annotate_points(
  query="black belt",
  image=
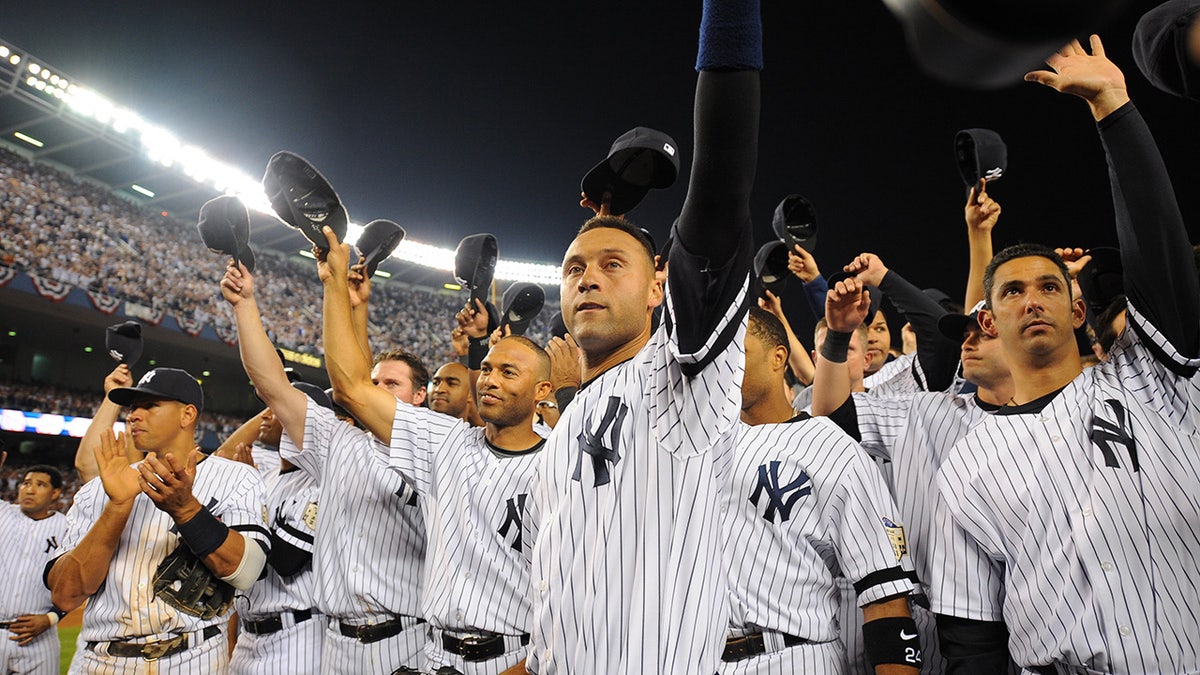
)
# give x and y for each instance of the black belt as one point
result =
(478, 647)
(152, 651)
(274, 623)
(375, 632)
(746, 646)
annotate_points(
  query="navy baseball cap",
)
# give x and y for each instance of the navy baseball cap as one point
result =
(954, 325)
(770, 266)
(1160, 48)
(980, 153)
(302, 197)
(379, 238)
(224, 226)
(795, 223)
(522, 302)
(475, 261)
(124, 342)
(640, 160)
(171, 384)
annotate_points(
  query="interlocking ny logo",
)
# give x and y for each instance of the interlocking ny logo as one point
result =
(780, 499)
(51, 544)
(592, 442)
(515, 507)
(1105, 434)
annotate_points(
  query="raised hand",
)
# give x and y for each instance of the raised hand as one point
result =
(459, 341)
(1091, 77)
(334, 261)
(867, 268)
(499, 334)
(360, 285)
(846, 305)
(473, 319)
(119, 377)
(566, 370)
(771, 304)
(802, 264)
(981, 211)
(601, 209)
(1075, 258)
(237, 284)
(168, 483)
(119, 478)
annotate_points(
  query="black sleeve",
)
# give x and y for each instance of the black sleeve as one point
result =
(937, 355)
(846, 417)
(974, 647)
(46, 571)
(713, 243)
(285, 558)
(1159, 269)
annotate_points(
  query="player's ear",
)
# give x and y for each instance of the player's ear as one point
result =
(987, 323)
(779, 357)
(188, 415)
(543, 391)
(419, 396)
(1078, 312)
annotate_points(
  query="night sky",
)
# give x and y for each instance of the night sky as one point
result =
(454, 118)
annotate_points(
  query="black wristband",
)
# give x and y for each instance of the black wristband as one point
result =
(892, 640)
(476, 351)
(836, 346)
(564, 396)
(203, 533)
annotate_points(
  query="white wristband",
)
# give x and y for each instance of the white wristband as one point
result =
(53, 618)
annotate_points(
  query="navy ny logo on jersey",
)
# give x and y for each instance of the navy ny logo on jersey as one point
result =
(411, 500)
(51, 544)
(1106, 434)
(780, 498)
(594, 443)
(512, 523)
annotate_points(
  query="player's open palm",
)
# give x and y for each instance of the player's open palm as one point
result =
(168, 483)
(1076, 72)
(119, 478)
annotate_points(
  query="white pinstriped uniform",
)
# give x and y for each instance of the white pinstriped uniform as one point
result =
(370, 543)
(28, 545)
(292, 506)
(627, 567)
(902, 375)
(473, 496)
(1096, 539)
(266, 458)
(125, 607)
(804, 504)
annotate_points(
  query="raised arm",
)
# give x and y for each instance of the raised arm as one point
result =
(846, 308)
(107, 415)
(258, 354)
(360, 292)
(982, 212)
(798, 359)
(1159, 270)
(713, 246)
(937, 356)
(348, 366)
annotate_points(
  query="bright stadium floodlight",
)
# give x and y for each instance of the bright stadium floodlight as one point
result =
(29, 139)
(4, 52)
(14, 59)
(34, 68)
(138, 188)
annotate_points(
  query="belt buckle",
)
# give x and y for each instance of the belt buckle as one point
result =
(153, 651)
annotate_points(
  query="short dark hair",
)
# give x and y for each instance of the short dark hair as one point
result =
(620, 223)
(420, 374)
(56, 479)
(1022, 251)
(767, 327)
(543, 359)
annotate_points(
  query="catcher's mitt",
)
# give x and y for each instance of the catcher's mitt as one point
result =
(183, 582)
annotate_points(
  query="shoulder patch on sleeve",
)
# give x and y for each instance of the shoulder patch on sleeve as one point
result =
(895, 534)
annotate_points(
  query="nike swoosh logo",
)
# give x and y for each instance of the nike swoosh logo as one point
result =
(906, 636)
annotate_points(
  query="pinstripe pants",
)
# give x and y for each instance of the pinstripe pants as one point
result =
(824, 658)
(295, 650)
(346, 656)
(212, 656)
(39, 657)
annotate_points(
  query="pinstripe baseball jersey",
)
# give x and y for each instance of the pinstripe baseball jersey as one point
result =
(1087, 499)
(265, 458)
(627, 567)
(896, 376)
(292, 500)
(125, 607)
(370, 543)
(805, 503)
(473, 495)
(28, 545)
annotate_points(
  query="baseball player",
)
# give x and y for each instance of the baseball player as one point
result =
(33, 535)
(450, 394)
(157, 549)
(909, 436)
(369, 541)
(1083, 490)
(805, 503)
(473, 483)
(627, 568)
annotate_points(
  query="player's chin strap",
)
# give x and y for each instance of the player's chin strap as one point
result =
(892, 640)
